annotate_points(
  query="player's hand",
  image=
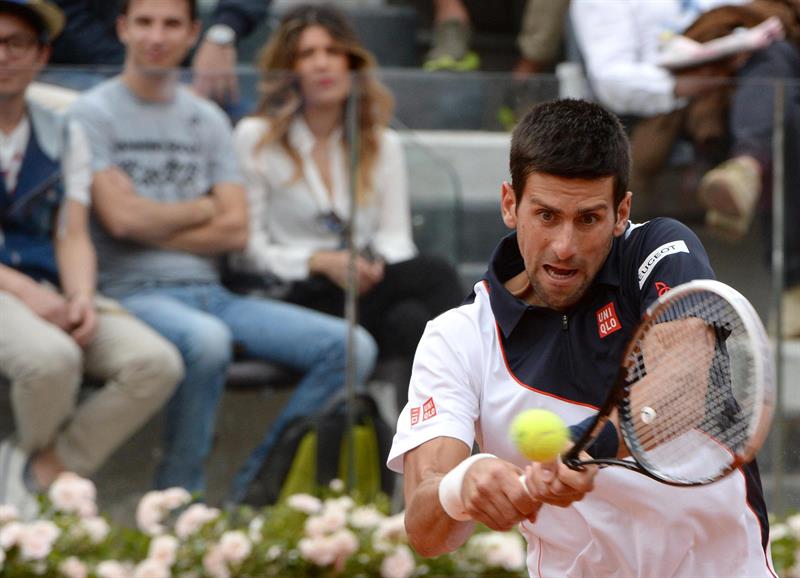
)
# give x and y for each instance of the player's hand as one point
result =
(214, 68)
(83, 319)
(492, 495)
(558, 485)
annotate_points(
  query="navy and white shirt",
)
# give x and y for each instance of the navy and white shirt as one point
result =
(481, 364)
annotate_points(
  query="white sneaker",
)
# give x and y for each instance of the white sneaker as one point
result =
(12, 481)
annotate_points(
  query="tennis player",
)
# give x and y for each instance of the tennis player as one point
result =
(546, 328)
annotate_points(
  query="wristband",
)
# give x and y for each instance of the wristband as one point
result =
(450, 488)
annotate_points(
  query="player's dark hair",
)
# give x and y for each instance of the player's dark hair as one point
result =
(126, 4)
(570, 139)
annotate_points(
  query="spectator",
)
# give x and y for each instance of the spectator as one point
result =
(620, 44)
(89, 39)
(294, 155)
(168, 202)
(49, 334)
(539, 38)
(619, 41)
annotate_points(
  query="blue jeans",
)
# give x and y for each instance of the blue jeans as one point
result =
(204, 321)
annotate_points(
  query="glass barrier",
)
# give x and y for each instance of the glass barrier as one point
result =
(454, 129)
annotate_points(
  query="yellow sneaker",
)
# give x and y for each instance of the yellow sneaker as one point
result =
(450, 48)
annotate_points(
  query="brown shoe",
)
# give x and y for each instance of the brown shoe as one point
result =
(730, 193)
(790, 322)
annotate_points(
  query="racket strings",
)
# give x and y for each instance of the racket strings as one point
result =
(691, 399)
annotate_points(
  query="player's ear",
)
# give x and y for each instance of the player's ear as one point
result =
(508, 205)
(623, 214)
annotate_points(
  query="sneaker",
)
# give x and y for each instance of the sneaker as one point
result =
(730, 193)
(450, 48)
(790, 322)
(13, 489)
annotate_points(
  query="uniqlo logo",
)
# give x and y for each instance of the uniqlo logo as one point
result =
(607, 321)
(414, 416)
(428, 409)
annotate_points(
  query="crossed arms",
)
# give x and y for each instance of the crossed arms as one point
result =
(210, 225)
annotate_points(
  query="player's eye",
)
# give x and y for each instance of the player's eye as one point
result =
(546, 216)
(589, 219)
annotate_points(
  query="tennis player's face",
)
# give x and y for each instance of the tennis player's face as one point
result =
(564, 229)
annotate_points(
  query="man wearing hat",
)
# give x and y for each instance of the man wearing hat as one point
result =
(53, 327)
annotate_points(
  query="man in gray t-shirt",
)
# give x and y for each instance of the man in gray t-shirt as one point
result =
(167, 201)
(173, 152)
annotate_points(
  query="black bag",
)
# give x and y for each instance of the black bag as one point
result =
(312, 451)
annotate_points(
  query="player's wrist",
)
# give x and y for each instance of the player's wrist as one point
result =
(450, 488)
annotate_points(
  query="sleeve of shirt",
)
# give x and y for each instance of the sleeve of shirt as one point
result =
(393, 239)
(443, 397)
(98, 130)
(77, 165)
(223, 164)
(607, 36)
(669, 254)
(241, 15)
(263, 255)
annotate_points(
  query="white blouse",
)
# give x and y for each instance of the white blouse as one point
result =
(287, 216)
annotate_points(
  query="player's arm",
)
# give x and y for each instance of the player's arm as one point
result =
(490, 492)
(226, 232)
(126, 215)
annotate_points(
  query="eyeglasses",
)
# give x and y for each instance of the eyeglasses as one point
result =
(18, 45)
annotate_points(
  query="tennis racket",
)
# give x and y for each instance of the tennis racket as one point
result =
(695, 394)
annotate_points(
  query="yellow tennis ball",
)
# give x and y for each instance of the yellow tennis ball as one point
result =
(539, 435)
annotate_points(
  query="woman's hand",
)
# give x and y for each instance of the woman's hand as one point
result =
(334, 266)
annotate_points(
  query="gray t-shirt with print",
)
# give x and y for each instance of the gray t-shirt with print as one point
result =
(173, 151)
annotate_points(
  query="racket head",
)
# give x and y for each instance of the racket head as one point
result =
(699, 394)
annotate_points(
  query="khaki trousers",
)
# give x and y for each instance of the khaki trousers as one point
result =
(139, 368)
(542, 33)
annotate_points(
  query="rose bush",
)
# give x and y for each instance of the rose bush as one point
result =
(329, 535)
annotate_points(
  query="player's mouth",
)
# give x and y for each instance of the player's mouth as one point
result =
(560, 274)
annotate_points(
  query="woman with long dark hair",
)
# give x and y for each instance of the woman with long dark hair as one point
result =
(295, 157)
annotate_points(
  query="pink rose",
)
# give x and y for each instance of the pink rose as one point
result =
(235, 546)
(214, 563)
(399, 564)
(150, 568)
(195, 517)
(73, 494)
(163, 549)
(111, 569)
(73, 568)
